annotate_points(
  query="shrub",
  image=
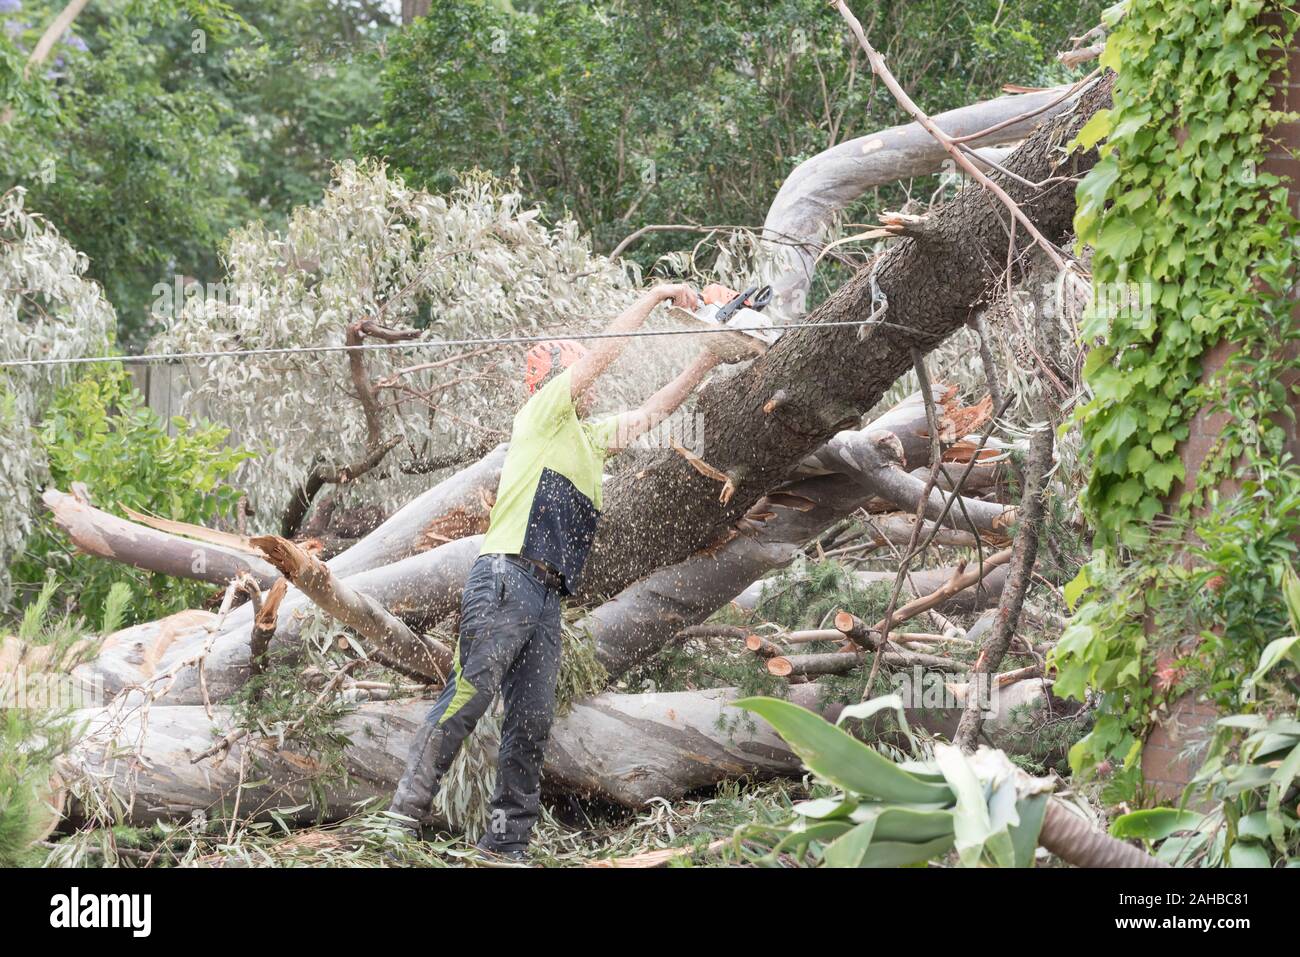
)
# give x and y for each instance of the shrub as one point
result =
(99, 432)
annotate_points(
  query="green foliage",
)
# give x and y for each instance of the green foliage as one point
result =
(806, 594)
(179, 122)
(1175, 272)
(581, 673)
(894, 814)
(34, 727)
(1248, 779)
(99, 432)
(625, 114)
(278, 704)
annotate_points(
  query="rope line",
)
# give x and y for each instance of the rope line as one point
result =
(408, 344)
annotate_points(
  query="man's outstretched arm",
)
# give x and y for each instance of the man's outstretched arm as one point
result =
(663, 403)
(590, 367)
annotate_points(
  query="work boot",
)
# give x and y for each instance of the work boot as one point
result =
(500, 855)
(414, 794)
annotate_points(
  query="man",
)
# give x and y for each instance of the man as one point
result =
(538, 537)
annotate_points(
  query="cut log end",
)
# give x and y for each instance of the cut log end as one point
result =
(763, 647)
(780, 666)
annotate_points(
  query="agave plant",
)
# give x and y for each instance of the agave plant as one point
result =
(1247, 780)
(888, 813)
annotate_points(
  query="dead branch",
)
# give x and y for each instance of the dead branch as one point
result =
(266, 611)
(1073, 58)
(961, 579)
(995, 644)
(321, 476)
(842, 663)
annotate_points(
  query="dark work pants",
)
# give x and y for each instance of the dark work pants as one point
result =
(509, 639)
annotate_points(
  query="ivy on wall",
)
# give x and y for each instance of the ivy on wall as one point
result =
(1192, 246)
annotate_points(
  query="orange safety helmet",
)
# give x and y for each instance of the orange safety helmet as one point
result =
(547, 358)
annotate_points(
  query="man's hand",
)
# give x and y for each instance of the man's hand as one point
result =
(682, 295)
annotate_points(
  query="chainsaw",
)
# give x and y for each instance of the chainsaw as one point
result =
(741, 332)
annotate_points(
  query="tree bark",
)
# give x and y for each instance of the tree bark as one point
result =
(622, 748)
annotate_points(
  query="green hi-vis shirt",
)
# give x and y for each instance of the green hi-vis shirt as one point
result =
(548, 500)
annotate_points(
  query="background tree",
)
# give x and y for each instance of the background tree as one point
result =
(626, 114)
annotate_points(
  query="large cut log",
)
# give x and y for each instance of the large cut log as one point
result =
(820, 188)
(819, 379)
(621, 748)
(626, 749)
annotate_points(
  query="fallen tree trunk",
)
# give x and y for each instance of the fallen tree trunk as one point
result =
(876, 462)
(818, 379)
(626, 749)
(897, 528)
(161, 654)
(639, 620)
(621, 748)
